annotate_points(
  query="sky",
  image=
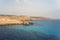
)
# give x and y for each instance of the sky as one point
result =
(42, 8)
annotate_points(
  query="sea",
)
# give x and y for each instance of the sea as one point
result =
(39, 30)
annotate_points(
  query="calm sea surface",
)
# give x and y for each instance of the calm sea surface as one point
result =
(40, 30)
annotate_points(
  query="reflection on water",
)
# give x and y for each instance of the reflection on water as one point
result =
(41, 30)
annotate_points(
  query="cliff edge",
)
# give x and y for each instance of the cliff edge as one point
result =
(12, 19)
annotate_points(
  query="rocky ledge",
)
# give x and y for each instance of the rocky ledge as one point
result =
(12, 20)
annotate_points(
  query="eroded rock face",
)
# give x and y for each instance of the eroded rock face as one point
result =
(11, 19)
(4, 20)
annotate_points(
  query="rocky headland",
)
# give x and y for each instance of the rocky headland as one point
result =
(24, 20)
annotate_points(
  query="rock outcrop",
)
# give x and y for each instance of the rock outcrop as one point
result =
(7, 20)
(11, 19)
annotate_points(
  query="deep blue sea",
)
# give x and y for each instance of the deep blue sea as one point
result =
(40, 30)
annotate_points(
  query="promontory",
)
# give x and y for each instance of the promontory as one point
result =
(12, 19)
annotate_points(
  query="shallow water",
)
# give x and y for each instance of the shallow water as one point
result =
(40, 30)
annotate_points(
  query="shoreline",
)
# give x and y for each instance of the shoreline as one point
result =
(18, 20)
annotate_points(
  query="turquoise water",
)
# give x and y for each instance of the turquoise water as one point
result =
(40, 30)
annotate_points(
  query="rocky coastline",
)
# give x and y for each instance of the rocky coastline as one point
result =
(17, 20)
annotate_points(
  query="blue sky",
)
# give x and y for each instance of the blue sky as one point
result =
(44, 8)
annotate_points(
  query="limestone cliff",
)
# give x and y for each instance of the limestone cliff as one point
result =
(11, 19)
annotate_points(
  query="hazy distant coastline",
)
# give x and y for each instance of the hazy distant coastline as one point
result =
(13, 19)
